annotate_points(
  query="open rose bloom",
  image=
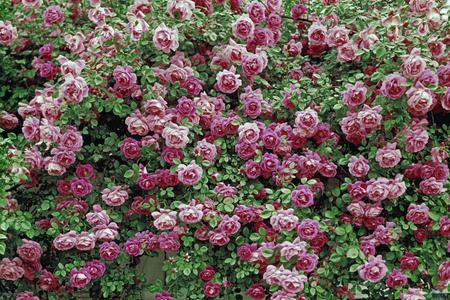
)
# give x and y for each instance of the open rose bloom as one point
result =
(265, 149)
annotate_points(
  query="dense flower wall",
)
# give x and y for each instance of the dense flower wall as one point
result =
(278, 150)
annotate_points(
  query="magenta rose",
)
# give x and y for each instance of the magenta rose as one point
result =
(52, 15)
(8, 33)
(393, 86)
(79, 278)
(396, 278)
(190, 174)
(95, 268)
(243, 27)
(11, 270)
(256, 291)
(80, 187)
(308, 229)
(302, 197)
(130, 148)
(409, 261)
(211, 289)
(207, 274)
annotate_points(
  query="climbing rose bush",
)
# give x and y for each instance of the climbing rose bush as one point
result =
(268, 149)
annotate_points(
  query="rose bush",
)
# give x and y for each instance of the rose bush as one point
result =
(273, 149)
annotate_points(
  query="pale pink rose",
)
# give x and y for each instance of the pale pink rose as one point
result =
(206, 150)
(137, 124)
(393, 86)
(243, 27)
(98, 216)
(421, 7)
(356, 209)
(397, 187)
(165, 39)
(388, 156)
(358, 166)
(373, 270)
(54, 169)
(317, 34)
(292, 284)
(165, 219)
(293, 48)
(8, 121)
(284, 220)
(74, 89)
(370, 117)
(190, 174)
(438, 154)
(420, 101)
(228, 81)
(106, 233)
(73, 68)
(137, 26)
(249, 132)
(355, 95)
(11, 270)
(437, 49)
(71, 139)
(98, 14)
(347, 52)
(378, 190)
(180, 9)
(191, 213)
(413, 293)
(26, 296)
(175, 136)
(368, 38)
(85, 241)
(75, 42)
(418, 214)
(66, 241)
(8, 33)
(337, 36)
(114, 196)
(31, 4)
(218, 238)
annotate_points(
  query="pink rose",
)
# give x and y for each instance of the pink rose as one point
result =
(317, 34)
(29, 250)
(388, 156)
(114, 196)
(165, 39)
(420, 7)
(191, 213)
(8, 121)
(370, 117)
(347, 52)
(337, 36)
(165, 219)
(306, 123)
(229, 225)
(98, 216)
(227, 81)
(355, 95)
(182, 10)
(420, 102)
(284, 220)
(175, 136)
(306, 262)
(66, 241)
(211, 290)
(302, 197)
(431, 186)
(106, 233)
(30, 129)
(133, 247)
(378, 190)
(190, 174)
(52, 15)
(396, 278)
(109, 250)
(169, 242)
(95, 268)
(79, 278)
(74, 89)
(411, 293)
(85, 241)
(418, 214)
(409, 261)
(308, 229)
(256, 12)
(243, 27)
(443, 74)
(444, 272)
(26, 296)
(11, 270)
(8, 33)
(130, 148)
(71, 139)
(373, 270)
(393, 86)
(254, 64)
(80, 187)
(358, 166)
